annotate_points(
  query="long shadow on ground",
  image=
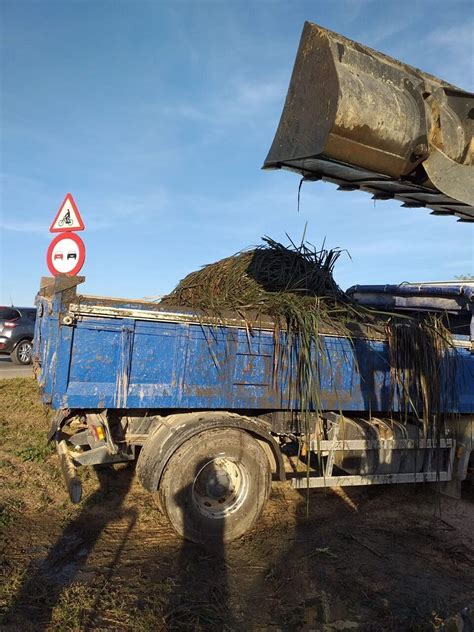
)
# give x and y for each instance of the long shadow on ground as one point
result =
(45, 580)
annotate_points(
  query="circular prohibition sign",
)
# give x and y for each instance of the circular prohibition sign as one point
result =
(66, 254)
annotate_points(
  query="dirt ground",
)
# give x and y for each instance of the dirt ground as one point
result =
(397, 558)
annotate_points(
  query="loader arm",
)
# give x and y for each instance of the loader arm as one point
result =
(362, 120)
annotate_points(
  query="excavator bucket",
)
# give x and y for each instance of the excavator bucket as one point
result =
(362, 120)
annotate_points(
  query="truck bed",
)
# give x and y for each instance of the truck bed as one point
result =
(96, 353)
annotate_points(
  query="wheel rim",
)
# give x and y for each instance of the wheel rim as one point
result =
(220, 488)
(24, 352)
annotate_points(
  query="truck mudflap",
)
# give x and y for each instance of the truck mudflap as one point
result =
(69, 471)
(174, 430)
(360, 119)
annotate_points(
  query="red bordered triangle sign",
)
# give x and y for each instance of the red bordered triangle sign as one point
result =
(67, 218)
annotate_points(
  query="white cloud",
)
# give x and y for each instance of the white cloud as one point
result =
(122, 210)
(445, 51)
(249, 99)
(28, 208)
(455, 38)
(184, 111)
(36, 228)
(453, 50)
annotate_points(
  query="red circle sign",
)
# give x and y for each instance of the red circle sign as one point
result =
(66, 254)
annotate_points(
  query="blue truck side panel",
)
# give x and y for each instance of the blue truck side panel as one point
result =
(105, 362)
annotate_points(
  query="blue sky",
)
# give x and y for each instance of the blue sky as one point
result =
(157, 117)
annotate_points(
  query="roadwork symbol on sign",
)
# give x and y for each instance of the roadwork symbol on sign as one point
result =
(68, 218)
(66, 254)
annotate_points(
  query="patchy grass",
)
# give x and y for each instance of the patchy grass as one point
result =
(38, 453)
(104, 607)
(11, 584)
(101, 606)
(29, 475)
(35, 512)
(73, 608)
(112, 562)
(9, 508)
(21, 413)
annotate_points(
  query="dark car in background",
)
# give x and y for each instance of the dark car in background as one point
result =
(17, 326)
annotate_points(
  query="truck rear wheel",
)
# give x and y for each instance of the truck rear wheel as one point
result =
(215, 486)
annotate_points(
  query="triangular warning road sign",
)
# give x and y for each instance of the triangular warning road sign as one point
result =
(67, 218)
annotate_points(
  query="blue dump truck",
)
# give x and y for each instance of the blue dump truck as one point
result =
(197, 404)
(196, 400)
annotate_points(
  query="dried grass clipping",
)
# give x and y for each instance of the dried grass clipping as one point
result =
(294, 286)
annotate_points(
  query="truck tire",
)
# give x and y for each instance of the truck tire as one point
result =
(215, 486)
(22, 353)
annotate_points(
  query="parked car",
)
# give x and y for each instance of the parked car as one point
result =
(17, 325)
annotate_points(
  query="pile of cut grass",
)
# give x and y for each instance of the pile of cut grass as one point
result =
(294, 286)
(277, 281)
